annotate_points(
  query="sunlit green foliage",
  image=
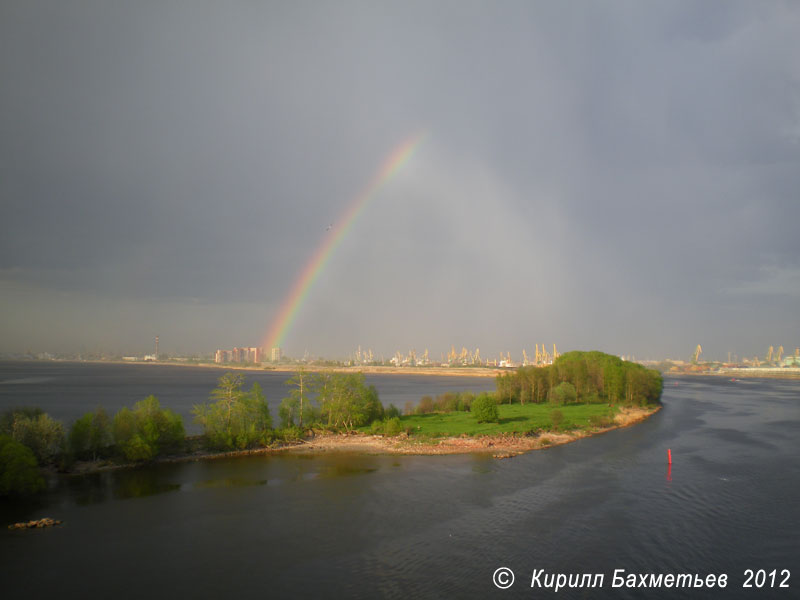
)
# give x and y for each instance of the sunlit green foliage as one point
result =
(595, 376)
(484, 409)
(238, 419)
(345, 401)
(392, 426)
(564, 392)
(147, 431)
(513, 418)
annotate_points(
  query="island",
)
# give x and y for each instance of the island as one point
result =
(534, 407)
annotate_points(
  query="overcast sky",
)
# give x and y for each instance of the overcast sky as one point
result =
(616, 175)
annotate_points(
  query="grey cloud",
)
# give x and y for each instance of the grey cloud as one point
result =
(610, 176)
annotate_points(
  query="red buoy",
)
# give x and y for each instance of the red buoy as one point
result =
(669, 456)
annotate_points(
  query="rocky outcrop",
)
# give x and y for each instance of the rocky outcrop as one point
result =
(45, 522)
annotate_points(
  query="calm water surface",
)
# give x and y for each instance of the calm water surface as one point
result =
(67, 390)
(337, 526)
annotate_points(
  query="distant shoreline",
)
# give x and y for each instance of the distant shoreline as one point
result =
(744, 373)
(370, 369)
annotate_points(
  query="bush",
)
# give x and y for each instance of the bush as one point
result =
(601, 421)
(556, 418)
(484, 409)
(392, 427)
(465, 400)
(291, 434)
(19, 472)
(425, 405)
(447, 402)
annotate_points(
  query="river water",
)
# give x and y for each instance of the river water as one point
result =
(346, 525)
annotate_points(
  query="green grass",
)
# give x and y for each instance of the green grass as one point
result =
(514, 418)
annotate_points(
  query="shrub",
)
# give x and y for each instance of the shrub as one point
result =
(425, 405)
(292, 434)
(556, 418)
(447, 402)
(484, 409)
(601, 421)
(392, 426)
(465, 400)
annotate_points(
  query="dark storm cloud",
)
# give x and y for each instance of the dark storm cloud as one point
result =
(615, 175)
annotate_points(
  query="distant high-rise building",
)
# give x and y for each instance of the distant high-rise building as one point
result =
(276, 354)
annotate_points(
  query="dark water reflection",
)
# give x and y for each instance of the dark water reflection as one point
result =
(349, 525)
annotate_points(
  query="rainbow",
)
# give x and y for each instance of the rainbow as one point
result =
(299, 292)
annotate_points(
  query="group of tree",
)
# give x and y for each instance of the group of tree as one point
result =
(30, 439)
(582, 377)
(238, 419)
(337, 401)
(443, 403)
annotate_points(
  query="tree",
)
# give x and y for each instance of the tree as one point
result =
(346, 401)
(228, 392)
(43, 435)
(288, 411)
(19, 472)
(300, 382)
(147, 431)
(564, 392)
(90, 435)
(238, 419)
(484, 409)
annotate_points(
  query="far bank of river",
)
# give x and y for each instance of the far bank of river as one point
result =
(312, 368)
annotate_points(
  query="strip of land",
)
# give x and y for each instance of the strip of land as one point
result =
(289, 368)
(499, 446)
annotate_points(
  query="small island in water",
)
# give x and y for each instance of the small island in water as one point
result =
(579, 394)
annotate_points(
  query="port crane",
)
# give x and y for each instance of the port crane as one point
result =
(696, 354)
